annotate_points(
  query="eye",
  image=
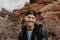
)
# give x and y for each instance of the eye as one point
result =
(29, 17)
(33, 18)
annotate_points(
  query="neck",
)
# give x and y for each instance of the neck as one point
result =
(30, 28)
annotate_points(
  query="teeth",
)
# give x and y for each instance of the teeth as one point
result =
(30, 23)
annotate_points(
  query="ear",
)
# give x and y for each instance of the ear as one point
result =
(24, 17)
(36, 18)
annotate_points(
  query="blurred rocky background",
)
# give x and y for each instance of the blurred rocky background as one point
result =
(48, 14)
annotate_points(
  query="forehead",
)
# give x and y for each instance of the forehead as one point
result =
(30, 15)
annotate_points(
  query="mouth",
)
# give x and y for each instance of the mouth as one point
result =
(30, 23)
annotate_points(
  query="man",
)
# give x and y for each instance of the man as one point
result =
(32, 31)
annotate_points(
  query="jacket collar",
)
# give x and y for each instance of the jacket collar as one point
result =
(36, 27)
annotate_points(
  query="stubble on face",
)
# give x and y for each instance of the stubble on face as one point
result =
(30, 20)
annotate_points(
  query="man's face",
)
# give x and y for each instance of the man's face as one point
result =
(30, 20)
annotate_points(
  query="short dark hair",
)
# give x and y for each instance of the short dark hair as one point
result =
(30, 12)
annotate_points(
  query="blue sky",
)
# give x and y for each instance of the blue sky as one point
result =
(12, 4)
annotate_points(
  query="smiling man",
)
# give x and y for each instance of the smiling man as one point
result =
(32, 31)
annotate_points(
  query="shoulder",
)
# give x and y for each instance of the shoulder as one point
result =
(20, 32)
(38, 26)
(42, 29)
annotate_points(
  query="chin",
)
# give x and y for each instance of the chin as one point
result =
(30, 25)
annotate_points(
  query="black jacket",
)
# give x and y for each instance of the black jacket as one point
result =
(39, 33)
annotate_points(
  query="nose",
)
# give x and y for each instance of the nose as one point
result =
(31, 19)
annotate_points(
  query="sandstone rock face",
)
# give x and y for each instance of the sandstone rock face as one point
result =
(33, 6)
(49, 17)
(51, 7)
(52, 24)
(41, 1)
(8, 30)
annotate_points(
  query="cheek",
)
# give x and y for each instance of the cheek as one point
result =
(34, 20)
(26, 19)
